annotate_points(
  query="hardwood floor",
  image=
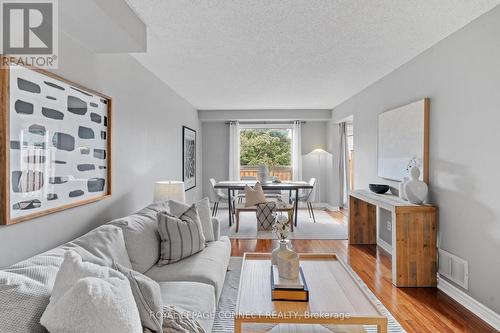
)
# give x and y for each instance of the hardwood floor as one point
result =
(417, 309)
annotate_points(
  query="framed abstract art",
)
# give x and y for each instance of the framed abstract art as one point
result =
(55, 139)
(188, 157)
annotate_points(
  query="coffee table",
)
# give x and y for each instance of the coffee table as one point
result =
(335, 296)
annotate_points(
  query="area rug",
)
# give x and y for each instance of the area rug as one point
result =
(325, 227)
(224, 316)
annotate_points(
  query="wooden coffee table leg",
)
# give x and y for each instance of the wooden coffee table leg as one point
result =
(237, 325)
(382, 327)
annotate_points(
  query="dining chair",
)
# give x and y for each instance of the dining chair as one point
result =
(216, 196)
(308, 197)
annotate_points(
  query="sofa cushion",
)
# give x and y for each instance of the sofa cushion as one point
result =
(106, 243)
(142, 239)
(177, 208)
(193, 299)
(208, 266)
(25, 289)
(181, 236)
(216, 227)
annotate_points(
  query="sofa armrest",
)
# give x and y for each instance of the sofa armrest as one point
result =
(216, 226)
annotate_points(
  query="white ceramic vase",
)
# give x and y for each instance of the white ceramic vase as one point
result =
(415, 190)
(283, 245)
(288, 264)
(401, 188)
(262, 174)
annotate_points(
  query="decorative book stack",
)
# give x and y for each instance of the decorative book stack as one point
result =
(288, 290)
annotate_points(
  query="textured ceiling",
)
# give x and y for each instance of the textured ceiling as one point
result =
(263, 54)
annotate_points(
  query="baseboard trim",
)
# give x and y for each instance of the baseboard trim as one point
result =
(479, 309)
(384, 245)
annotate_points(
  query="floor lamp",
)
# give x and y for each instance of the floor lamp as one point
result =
(320, 153)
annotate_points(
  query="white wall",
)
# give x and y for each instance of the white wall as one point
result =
(461, 75)
(147, 132)
(215, 137)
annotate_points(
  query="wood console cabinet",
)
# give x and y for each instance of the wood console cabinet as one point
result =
(414, 235)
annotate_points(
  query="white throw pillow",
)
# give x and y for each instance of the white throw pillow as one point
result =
(94, 305)
(89, 298)
(178, 208)
(181, 236)
(73, 268)
(254, 196)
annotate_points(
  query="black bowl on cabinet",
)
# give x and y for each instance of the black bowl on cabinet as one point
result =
(379, 188)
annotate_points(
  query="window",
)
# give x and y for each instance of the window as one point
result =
(271, 146)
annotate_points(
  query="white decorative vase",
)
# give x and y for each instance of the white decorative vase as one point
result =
(283, 245)
(401, 188)
(416, 190)
(288, 264)
(262, 174)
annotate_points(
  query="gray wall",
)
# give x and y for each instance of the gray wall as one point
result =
(461, 75)
(147, 121)
(215, 137)
(314, 136)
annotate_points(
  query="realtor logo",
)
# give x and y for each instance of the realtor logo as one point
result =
(29, 32)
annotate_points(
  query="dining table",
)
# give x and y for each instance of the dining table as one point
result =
(291, 186)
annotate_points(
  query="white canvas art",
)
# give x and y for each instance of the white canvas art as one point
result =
(401, 137)
(58, 137)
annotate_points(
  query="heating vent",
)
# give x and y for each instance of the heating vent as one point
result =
(454, 268)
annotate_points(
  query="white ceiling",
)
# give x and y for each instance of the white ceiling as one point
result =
(266, 54)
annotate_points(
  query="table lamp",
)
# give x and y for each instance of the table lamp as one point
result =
(169, 190)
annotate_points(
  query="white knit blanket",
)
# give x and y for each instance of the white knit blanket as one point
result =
(175, 321)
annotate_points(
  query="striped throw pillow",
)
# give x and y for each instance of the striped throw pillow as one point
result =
(180, 236)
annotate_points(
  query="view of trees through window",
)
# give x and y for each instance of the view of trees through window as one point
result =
(268, 146)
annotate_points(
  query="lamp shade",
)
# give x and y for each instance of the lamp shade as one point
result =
(169, 190)
(319, 151)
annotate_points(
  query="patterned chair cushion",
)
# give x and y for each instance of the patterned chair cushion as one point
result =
(265, 216)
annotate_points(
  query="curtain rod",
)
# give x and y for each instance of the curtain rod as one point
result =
(263, 122)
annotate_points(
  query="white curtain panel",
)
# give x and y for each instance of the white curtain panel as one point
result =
(297, 150)
(343, 166)
(234, 150)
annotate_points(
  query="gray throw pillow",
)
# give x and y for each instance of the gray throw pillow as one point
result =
(178, 208)
(147, 296)
(180, 236)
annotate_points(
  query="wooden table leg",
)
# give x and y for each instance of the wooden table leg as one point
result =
(296, 205)
(229, 203)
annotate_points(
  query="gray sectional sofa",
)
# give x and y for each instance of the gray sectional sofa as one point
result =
(192, 285)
